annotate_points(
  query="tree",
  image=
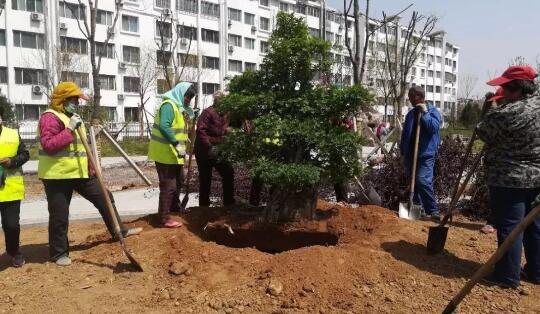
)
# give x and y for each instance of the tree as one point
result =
(8, 116)
(467, 85)
(296, 140)
(147, 72)
(470, 115)
(87, 25)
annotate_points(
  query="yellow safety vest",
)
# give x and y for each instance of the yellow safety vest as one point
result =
(69, 163)
(159, 148)
(13, 190)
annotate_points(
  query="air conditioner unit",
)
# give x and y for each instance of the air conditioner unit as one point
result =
(122, 65)
(231, 49)
(111, 31)
(253, 28)
(230, 22)
(37, 90)
(62, 26)
(35, 16)
(121, 96)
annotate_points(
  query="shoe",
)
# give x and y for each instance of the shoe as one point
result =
(17, 260)
(170, 223)
(132, 231)
(63, 261)
(436, 217)
(492, 280)
(487, 229)
(525, 277)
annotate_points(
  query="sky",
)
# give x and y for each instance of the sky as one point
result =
(490, 33)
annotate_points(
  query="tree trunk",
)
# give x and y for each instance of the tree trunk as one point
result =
(286, 205)
(356, 64)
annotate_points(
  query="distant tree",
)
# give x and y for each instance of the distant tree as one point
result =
(7, 108)
(470, 115)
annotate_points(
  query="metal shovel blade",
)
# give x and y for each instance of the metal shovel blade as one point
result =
(436, 239)
(413, 214)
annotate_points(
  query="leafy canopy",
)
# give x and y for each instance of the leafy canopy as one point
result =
(297, 136)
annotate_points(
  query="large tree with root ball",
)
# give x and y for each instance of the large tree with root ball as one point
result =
(295, 139)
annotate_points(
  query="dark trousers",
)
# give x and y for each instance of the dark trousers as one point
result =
(59, 193)
(225, 170)
(170, 184)
(10, 213)
(509, 207)
(423, 191)
(341, 192)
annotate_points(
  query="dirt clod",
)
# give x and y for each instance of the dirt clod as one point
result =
(275, 287)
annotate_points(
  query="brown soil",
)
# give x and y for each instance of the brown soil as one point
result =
(378, 265)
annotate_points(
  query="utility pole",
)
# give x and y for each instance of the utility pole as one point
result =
(199, 55)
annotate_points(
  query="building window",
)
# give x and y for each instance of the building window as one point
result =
(437, 89)
(263, 2)
(108, 82)
(27, 5)
(131, 84)
(28, 40)
(210, 9)
(130, 23)
(163, 57)
(301, 8)
(422, 73)
(235, 15)
(314, 32)
(235, 40)
(187, 32)
(264, 24)
(209, 88)
(72, 10)
(25, 76)
(29, 112)
(78, 77)
(439, 60)
(2, 37)
(104, 17)
(162, 86)
(166, 4)
(249, 43)
(73, 45)
(163, 29)
(189, 6)
(264, 47)
(283, 6)
(248, 66)
(190, 61)
(313, 11)
(210, 63)
(131, 114)
(210, 36)
(430, 89)
(3, 75)
(438, 74)
(105, 51)
(235, 66)
(249, 18)
(430, 73)
(131, 54)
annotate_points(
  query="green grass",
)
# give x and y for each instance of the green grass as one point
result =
(133, 147)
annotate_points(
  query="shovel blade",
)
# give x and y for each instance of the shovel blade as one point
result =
(131, 258)
(436, 239)
(413, 214)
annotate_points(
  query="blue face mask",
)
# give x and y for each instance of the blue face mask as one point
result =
(70, 108)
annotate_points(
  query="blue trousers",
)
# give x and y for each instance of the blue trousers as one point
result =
(509, 206)
(423, 190)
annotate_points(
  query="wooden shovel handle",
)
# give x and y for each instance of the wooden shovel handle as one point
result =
(415, 159)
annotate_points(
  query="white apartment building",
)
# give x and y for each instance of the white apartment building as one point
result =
(41, 43)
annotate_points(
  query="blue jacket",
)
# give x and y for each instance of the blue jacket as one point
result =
(430, 124)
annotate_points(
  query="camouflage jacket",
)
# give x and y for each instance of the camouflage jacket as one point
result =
(512, 136)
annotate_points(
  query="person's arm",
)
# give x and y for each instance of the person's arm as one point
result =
(166, 119)
(54, 136)
(431, 121)
(203, 129)
(22, 156)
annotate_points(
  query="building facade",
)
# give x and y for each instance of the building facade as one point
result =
(41, 43)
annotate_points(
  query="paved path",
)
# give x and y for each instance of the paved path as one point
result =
(108, 162)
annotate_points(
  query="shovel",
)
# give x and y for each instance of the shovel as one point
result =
(371, 196)
(185, 200)
(437, 235)
(110, 207)
(410, 210)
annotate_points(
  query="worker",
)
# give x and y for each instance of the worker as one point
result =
(63, 168)
(430, 124)
(168, 148)
(13, 154)
(511, 133)
(212, 127)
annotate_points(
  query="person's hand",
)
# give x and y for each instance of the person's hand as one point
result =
(180, 150)
(422, 107)
(228, 130)
(74, 122)
(536, 201)
(6, 163)
(213, 153)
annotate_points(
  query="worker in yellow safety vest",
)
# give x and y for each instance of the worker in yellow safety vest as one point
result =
(167, 148)
(13, 154)
(63, 168)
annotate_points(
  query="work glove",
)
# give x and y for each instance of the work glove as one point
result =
(180, 150)
(74, 122)
(422, 107)
(536, 201)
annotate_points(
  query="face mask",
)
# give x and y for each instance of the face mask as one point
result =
(71, 108)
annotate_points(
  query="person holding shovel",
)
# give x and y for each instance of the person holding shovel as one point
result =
(511, 133)
(430, 124)
(63, 168)
(13, 154)
(167, 148)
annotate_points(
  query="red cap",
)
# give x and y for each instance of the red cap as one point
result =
(499, 94)
(516, 72)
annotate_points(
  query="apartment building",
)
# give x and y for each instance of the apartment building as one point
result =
(41, 43)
